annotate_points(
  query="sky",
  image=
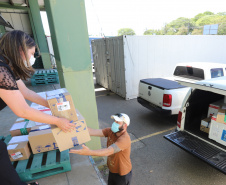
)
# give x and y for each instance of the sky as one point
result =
(108, 16)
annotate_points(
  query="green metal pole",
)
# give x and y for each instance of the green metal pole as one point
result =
(32, 26)
(68, 27)
(34, 14)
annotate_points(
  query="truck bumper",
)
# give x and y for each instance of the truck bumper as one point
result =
(153, 107)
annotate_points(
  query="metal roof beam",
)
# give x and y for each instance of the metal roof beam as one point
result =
(15, 6)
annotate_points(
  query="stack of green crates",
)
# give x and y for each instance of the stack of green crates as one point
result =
(42, 77)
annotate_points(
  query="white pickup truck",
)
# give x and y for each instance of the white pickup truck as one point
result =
(165, 95)
(210, 147)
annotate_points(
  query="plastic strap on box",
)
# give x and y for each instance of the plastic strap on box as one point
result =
(225, 117)
(40, 129)
(23, 131)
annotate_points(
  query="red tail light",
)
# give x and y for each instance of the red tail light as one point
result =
(167, 100)
(179, 119)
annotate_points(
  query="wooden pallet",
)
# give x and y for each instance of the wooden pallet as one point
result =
(41, 165)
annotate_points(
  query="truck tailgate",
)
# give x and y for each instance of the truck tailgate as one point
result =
(152, 89)
(151, 93)
(162, 83)
(207, 152)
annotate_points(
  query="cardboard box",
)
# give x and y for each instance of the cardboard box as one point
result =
(205, 125)
(41, 139)
(217, 131)
(18, 120)
(214, 107)
(18, 148)
(22, 128)
(76, 137)
(221, 114)
(61, 104)
(39, 107)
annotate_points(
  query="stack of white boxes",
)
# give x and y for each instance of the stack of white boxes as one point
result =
(215, 123)
(212, 111)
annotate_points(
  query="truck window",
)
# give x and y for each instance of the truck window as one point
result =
(189, 72)
(216, 72)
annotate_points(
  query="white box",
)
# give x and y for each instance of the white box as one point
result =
(217, 131)
(214, 107)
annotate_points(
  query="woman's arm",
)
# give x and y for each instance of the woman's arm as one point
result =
(31, 95)
(16, 102)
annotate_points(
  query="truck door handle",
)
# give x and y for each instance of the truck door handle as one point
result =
(149, 87)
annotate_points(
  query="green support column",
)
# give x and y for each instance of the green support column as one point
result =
(68, 27)
(32, 26)
(38, 31)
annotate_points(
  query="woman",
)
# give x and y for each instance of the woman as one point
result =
(16, 58)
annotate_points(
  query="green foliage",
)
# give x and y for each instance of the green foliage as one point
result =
(126, 31)
(197, 32)
(182, 21)
(222, 29)
(177, 27)
(193, 26)
(211, 19)
(183, 30)
(221, 13)
(200, 15)
(153, 32)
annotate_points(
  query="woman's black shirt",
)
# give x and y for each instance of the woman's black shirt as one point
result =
(7, 79)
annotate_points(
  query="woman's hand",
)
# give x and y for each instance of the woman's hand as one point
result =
(65, 125)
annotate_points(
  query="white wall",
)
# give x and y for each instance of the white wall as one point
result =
(156, 56)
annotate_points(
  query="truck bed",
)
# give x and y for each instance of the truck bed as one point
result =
(162, 83)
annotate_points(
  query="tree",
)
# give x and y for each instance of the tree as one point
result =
(126, 31)
(211, 19)
(197, 32)
(183, 30)
(222, 29)
(182, 21)
(173, 27)
(153, 32)
(200, 15)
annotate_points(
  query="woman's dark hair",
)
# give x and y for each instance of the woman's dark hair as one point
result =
(12, 45)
